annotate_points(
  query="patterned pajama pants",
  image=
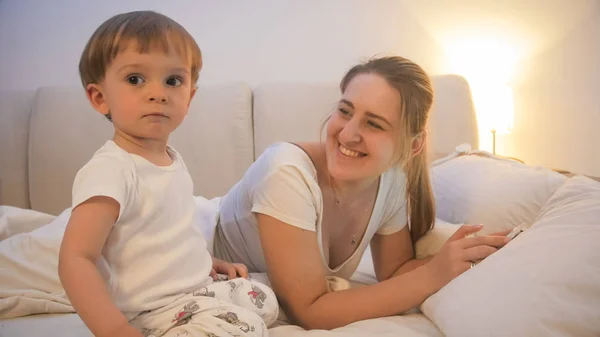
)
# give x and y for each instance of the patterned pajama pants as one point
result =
(237, 307)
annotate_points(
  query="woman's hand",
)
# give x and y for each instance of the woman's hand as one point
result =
(461, 250)
(232, 270)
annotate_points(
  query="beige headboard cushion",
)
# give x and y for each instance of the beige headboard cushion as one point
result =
(15, 112)
(215, 141)
(48, 134)
(294, 112)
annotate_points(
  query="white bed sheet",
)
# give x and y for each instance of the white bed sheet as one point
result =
(50, 323)
(69, 325)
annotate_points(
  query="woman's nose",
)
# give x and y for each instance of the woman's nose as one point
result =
(351, 132)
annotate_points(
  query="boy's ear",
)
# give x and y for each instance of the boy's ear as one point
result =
(192, 94)
(96, 97)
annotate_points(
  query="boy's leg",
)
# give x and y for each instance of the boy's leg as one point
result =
(245, 293)
(200, 316)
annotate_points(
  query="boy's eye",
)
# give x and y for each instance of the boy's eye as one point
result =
(135, 79)
(174, 81)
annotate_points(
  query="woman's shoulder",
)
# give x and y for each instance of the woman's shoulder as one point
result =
(283, 165)
(395, 174)
(283, 154)
(394, 181)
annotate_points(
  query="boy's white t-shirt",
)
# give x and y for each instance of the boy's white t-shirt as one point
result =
(282, 183)
(153, 254)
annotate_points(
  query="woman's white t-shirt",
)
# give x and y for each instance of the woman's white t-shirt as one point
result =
(282, 183)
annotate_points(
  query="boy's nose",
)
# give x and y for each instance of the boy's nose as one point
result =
(156, 98)
(157, 94)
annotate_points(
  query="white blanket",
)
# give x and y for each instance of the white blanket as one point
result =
(29, 282)
(15, 221)
(70, 325)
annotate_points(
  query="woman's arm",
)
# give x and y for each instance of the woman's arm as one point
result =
(393, 254)
(86, 233)
(297, 276)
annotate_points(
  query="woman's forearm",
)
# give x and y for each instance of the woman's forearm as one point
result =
(390, 297)
(411, 265)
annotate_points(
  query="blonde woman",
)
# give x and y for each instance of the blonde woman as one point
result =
(307, 211)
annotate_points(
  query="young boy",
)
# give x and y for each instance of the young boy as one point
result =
(131, 261)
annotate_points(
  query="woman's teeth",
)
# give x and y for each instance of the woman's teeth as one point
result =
(349, 153)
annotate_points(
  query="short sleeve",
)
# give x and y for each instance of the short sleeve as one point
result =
(287, 194)
(395, 223)
(395, 215)
(102, 176)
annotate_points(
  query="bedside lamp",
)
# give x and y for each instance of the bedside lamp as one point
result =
(495, 109)
(487, 61)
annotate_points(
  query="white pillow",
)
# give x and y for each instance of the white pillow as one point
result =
(207, 218)
(14, 220)
(29, 283)
(546, 282)
(497, 193)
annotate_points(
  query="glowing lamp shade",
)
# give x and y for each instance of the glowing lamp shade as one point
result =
(487, 64)
(495, 107)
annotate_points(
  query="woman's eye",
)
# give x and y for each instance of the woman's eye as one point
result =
(174, 81)
(374, 125)
(343, 111)
(135, 79)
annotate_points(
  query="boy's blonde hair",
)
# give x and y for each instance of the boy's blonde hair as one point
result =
(146, 28)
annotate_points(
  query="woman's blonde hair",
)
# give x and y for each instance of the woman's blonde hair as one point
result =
(416, 95)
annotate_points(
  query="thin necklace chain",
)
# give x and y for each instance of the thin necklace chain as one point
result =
(337, 202)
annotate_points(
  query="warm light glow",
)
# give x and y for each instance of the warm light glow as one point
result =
(495, 107)
(482, 61)
(488, 65)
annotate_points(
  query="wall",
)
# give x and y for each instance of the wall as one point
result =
(252, 41)
(548, 51)
(557, 105)
(554, 52)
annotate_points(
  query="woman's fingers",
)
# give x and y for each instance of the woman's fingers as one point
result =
(478, 253)
(502, 233)
(463, 249)
(484, 240)
(465, 230)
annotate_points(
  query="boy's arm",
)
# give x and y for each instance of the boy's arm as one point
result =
(86, 233)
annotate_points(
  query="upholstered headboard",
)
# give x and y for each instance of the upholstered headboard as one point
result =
(46, 135)
(294, 112)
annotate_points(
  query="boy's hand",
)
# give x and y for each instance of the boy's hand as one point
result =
(126, 331)
(232, 270)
